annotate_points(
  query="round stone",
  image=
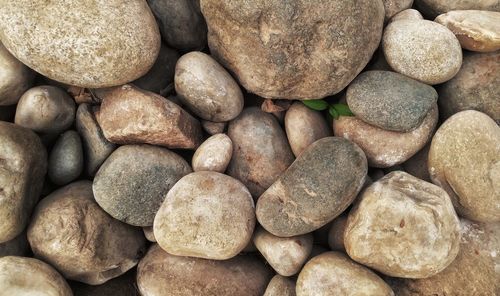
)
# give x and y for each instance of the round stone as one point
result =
(214, 154)
(15, 78)
(66, 159)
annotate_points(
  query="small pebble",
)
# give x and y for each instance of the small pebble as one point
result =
(214, 154)
(66, 159)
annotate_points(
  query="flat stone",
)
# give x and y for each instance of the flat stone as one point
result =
(433, 8)
(16, 78)
(280, 286)
(161, 75)
(315, 189)
(66, 159)
(214, 154)
(390, 100)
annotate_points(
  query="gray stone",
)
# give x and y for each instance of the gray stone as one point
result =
(66, 159)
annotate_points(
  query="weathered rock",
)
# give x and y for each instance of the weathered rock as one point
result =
(181, 24)
(71, 232)
(404, 227)
(476, 87)
(315, 189)
(16, 78)
(475, 29)
(95, 146)
(433, 8)
(150, 119)
(260, 150)
(336, 233)
(66, 159)
(213, 128)
(23, 164)
(286, 50)
(386, 148)
(422, 50)
(333, 273)
(417, 164)
(280, 286)
(207, 215)
(464, 159)
(206, 88)
(286, 255)
(159, 272)
(134, 180)
(392, 7)
(304, 126)
(390, 100)
(123, 285)
(407, 14)
(17, 246)
(87, 44)
(214, 154)
(23, 276)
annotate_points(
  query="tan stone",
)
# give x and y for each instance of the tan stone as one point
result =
(407, 14)
(280, 286)
(214, 154)
(392, 7)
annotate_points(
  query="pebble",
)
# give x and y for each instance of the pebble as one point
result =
(66, 159)
(213, 128)
(16, 78)
(214, 154)
(392, 7)
(433, 8)
(280, 286)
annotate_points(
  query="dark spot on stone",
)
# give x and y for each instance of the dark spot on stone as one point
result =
(402, 223)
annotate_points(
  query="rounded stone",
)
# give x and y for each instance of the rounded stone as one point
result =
(71, 232)
(403, 227)
(207, 215)
(261, 152)
(407, 14)
(422, 50)
(22, 276)
(280, 286)
(390, 100)
(23, 164)
(294, 49)
(206, 88)
(304, 126)
(433, 8)
(95, 44)
(475, 29)
(134, 180)
(45, 109)
(333, 273)
(214, 154)
(315, 189)
(392, 7)
(464, 159)
(385, 148)
(15, 78)
(286, 255)
(66, 159)
(475, 87)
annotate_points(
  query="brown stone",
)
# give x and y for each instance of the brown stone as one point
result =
(280, 286)
(336, 233)
(16, 78)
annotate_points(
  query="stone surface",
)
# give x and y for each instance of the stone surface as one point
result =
(315, 189)
(392, 7)
(213, 128)
(123, 285)
(207, 215)
(386, 148)
(464, 159)
(433, 8)
(287, 50)
(403, 227)
(66, 159)
(333, 273)
(390, 100)
(476, 87)
(304, 126)
(150, 119)
(94, 44)
(260, 150)
(422, 50)
(159, 272)
(72, 233)
(23, 164)
(214, 154)
(134, 180)
(206, 88)
(23, 276)
(280, 286)
(286, 255)
(407, 14)
(336, 233)
(17, 246)
(15, 77)
(95, 146)
(417, 164)
(475, 29)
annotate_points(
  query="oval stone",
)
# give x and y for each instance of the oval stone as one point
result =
(66, 159)
(214, 154)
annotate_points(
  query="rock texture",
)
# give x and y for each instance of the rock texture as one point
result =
(15, 79)
(66, 159)
(214, 154)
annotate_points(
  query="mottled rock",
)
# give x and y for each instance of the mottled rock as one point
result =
(260, 150)
(422, 50)
(464, 159)
(134, 180)
(150, 119)
(386, 148)
(433, 8)
(162, 73)
(17, 246)
(333, 273)
(285, 254)
(23, 164)
(390, 100)
(417, 164)
(404, 227)
(206, 88)
(392, 7)
(304, 126)
(123, 285)
(213, 128)
(280, 286)
(407, 14)
(315, 189)
(15, 78)
(214, 154)
(336, 233)
(116, 43)
(66, 159)
(286, 50)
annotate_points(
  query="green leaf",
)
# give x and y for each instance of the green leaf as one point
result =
(318, 105)
(343, 110)
(333, 112)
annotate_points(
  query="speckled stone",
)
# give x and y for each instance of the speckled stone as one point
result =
(214, 154)
(16, 78)
(66, 159)
(407, 14)
(464, 159)
(116, 43)
(316, 188)
(280, 286)
(392, 7)
(390, 100)
(433, 8)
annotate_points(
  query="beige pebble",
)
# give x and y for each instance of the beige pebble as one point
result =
(214, 154)
(407, 14)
